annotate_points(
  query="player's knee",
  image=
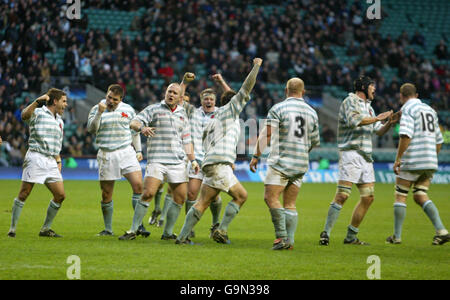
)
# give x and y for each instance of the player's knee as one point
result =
(138, 188)
(59, 197)
(242, 197)
(147, 195)
(23, 195)
(420, 194)
(342, 194)
(192, 195)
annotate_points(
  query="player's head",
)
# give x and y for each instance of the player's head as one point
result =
(366, 86)
(407, 91)
(58, 99)
(208, 100)
(114, 96)
(295, 87)
(226, 97)
(172, 96)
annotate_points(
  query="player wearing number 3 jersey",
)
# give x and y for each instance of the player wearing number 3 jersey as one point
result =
(416, 161)
(293, 130)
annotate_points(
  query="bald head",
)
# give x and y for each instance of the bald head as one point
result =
(295, 87)
(173, 94)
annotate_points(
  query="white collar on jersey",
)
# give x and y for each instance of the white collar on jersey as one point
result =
(45, 109)
(410, 102)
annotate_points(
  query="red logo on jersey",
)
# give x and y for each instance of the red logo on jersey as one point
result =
(124, 115)
(212, 117)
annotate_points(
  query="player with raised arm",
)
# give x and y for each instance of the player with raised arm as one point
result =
(119, 151)
(220, 138)
(356, 124)
(292, 130)
(169, 142)
(42, 163)
(416, 161)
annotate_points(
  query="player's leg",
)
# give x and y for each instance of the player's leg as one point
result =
(366, 192)
(272, 195)
(343, 191)
(151, 186)
(207, 194)
(215, 207)
(239, 196)
(402, 187)
(179, 193)
(167, 200)
(420, 190)
(135, 180)
(194, 185)
(57, 190)
(19, 202)
(289, 202)
(107, 205)
(157, 211)
(193, 189)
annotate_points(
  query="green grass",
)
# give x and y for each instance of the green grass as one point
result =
(248, 257)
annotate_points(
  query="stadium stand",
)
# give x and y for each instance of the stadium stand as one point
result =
(143, 45)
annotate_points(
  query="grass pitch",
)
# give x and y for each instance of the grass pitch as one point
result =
(248, 257)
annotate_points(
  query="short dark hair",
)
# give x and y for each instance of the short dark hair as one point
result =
(54, 95)
(362, 83)
(116, 89)
(226, 97)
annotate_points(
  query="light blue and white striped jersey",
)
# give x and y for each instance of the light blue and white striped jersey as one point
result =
(420, 123)
(46, 132)
(221, 135)
(172, 132)
(295, 131)
(199, 120)
(350, 136)
(114, 129)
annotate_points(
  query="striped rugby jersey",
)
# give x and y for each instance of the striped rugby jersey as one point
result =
(420, 123)
(350, 136)
(295, 131)
(114, 129)
(172, 132)
(46, 132)
(221, 135)
(199, 120)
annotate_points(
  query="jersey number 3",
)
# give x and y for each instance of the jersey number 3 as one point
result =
(299, 131)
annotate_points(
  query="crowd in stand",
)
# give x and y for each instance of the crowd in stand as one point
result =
(219, 36)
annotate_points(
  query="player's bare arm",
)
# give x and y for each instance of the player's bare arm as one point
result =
(95, 123)
(261, 144)
(139, 127)
(394, 118)
(189, 149)
(371, 120)
(218, 79)
(187, 78)
(28, 111)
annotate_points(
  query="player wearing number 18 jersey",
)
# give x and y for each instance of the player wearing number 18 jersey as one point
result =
(293, 130)
(416, 161)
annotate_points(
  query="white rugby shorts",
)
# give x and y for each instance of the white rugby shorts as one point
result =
(165, 172)
(414, 176)
(112, 165)
(354, 168)
(219, 176)
(40, 168)
(275, 177)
